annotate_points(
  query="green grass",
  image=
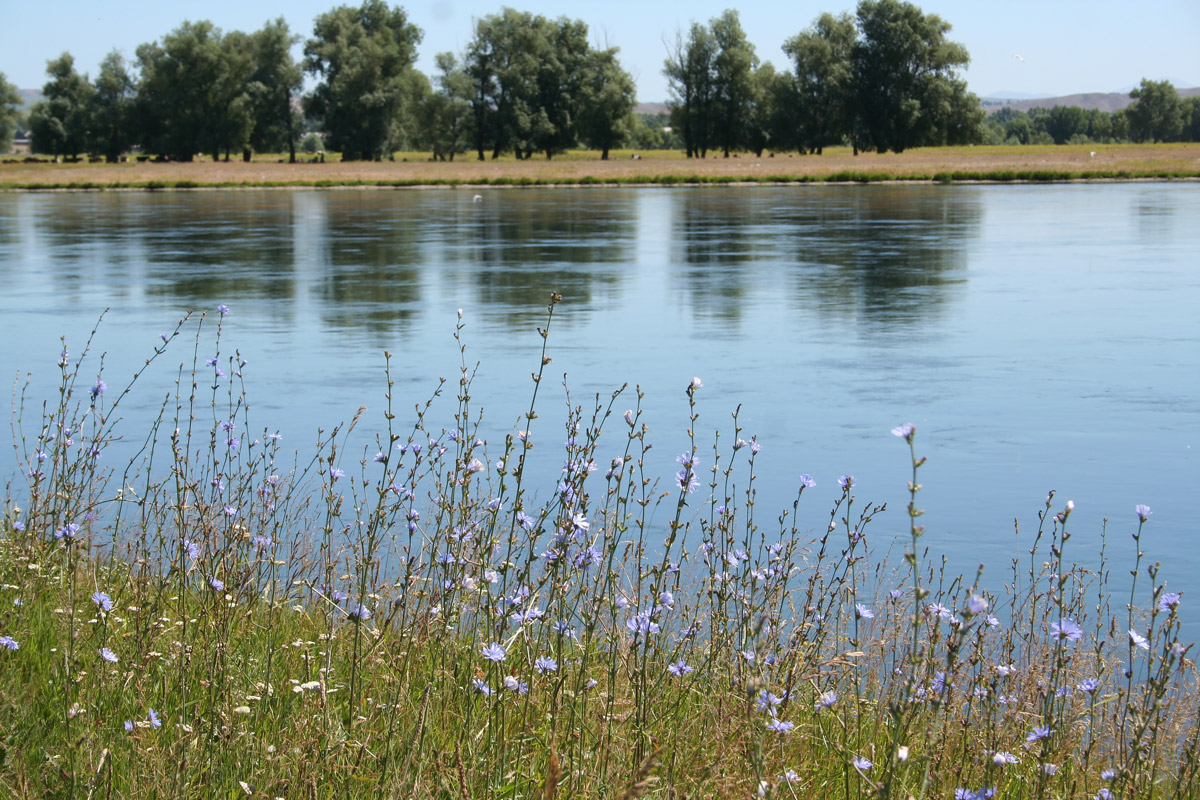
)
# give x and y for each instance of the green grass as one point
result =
(235, 571)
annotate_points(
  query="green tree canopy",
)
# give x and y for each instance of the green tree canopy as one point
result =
(1156, 116)
(445, 116)
(822, 59)
(10, 102)
(59, 124)
(276, 79)
(192, 96)
(689, 69)
(606, 103)
(908, 92)
(733, 82)
(111, 112)
(363, 57)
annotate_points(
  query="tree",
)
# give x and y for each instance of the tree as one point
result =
(192, 95)
(111, 111)
(772, 120)
(275, 80)
(689, 70)
(733, 81)
(59, 123)
(363, 56)
(527, 76)
(908, 93)
(606, 103)
(446, 113)
(822, 59)
(1064, 122)
(1190, 111)
(10, 102)
(1156, 115)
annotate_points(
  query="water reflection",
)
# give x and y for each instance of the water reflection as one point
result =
(368, 260)
(880, 253)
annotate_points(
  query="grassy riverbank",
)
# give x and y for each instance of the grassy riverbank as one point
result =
(216, 616)
(1033, 163)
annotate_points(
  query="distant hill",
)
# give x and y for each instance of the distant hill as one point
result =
(651, 108)
(1104, 101)
(30, 96)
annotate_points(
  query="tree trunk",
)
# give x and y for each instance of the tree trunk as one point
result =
(246, 154)
(604, 154)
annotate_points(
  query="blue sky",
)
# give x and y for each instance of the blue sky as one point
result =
(1066, 46)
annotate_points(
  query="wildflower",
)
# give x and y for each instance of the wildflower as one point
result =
(1108, 774)
(1143, 512)
(862, 763)
(513, 685)
(592, 683)
(1066, 628)
(191, 549)
(108, 655)
(98, 389)
(991, 620)
(687, 480)
(826, 700)
(905, 431)
(222, 309)
(494, 652)
(1088, 685)
(1004, 670)
(1001, 758)
(768, 700)
(755, 446)
(789, 777)
(67, 532)
(1168, 601)
(152, 718)
(9, 643)
(230, 511)
(495, 504)
(807, 481)
(262, 542)
(545, 664)
(679, 668)
(977, 604)
(359, 613)
(1050, 769)
(863, 611)
(641, 623)
(779, 726)
(336, 473)
(1138, 639)
(1038, 733)
(102, 600)
(696, 384)
(129, 722)
(749, 655)
(940, 611)
(846, 481)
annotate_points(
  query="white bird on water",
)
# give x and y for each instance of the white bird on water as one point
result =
(477, 198)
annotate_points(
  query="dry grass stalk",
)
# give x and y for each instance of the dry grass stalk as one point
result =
(642, 777)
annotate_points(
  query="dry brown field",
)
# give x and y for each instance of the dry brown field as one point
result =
(958, 163)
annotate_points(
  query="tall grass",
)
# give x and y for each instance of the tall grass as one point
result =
(212, 615)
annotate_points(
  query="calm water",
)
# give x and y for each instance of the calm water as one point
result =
(1041, 337)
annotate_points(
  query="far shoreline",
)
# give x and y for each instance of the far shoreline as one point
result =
(579, 169)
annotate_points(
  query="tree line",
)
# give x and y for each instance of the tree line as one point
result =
(885, 78)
